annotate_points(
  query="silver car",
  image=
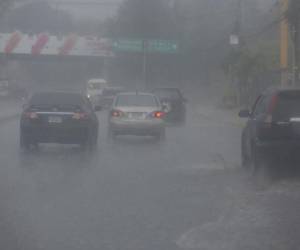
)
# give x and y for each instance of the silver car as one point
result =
(137, 114)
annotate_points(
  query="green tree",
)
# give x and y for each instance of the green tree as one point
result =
(293, 17)
(39, 17)
(4, 5)
(143, 19)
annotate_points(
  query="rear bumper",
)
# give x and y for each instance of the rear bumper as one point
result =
(136, 128)
(279, 146)
(175, 115)
(63, 135)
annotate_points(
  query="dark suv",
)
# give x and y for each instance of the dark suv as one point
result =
(273, 128)
(174, 103)
(58, 117)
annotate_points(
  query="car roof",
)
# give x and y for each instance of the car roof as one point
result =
(100, 80)
(136, 93)
(59, 96)
(280, 89)
(166, 88)
(113, 88)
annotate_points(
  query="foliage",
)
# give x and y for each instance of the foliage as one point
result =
(142, 19)
(39, 17)
(4, 5)
(293, 12)
(248, 64)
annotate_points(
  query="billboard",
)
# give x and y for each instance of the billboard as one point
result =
(18, 43)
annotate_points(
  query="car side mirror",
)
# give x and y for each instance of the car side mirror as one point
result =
(244, 113)
(98, 108)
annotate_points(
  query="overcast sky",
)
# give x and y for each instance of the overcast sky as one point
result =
(90, 8)
(95, 9)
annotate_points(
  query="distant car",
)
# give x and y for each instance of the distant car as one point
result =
(173, 102)
(108, 95)
(94, 89)
(137, 114)
(58, 117)
(273, 128)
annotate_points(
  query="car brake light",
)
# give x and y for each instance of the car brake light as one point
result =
(80, 116)
(158, 114)
(116, 113)
(273, 103)
(269, 118)
(31, 115)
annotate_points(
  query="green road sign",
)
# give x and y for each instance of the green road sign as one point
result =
(128, 45)
(162, 46)
(151, 46)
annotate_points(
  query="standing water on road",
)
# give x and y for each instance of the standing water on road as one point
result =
(120, 125)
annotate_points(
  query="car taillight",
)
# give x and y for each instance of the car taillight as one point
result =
(80, 116)
(31, 115)
(272, 104)
(269, 118)
(116, 113)
(158, 114)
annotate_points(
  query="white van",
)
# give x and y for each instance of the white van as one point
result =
(94, 89)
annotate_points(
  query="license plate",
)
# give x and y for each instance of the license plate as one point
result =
(136, 116)
(295, 119)
(55, 119)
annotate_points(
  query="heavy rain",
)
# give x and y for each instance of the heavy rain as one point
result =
(149, 124)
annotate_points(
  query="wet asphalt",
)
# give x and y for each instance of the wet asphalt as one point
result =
(186, 193)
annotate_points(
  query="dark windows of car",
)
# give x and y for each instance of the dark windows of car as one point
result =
(110, 92)
(59, 101)
(136, 100)
(168, 93)
(261, 106)
(287, 106)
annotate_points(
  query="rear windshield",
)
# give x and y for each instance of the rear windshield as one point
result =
(288, 106)
(110, 92)
(167, 93)
(61, 101)
(95, 86)
(136, 100)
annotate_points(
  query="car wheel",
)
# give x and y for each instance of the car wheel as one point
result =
(91, 143)
(24, 143)
(183, 118)
(262, 165)
(246, 161)
(111, 136)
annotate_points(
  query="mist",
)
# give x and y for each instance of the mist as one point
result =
(149, 124)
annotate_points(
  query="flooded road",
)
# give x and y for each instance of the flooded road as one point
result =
(186, 193)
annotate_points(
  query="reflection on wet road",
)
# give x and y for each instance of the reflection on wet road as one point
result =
(138, 194)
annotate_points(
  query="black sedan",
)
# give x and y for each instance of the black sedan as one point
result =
(174, 103)
(58, 117)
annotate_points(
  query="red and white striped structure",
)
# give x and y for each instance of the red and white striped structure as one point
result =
(44, 44)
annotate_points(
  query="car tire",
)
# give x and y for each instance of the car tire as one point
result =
(183, 118)
(24, 143)
(90, 144)
(111, 136)
(262, 165)
(246, 161)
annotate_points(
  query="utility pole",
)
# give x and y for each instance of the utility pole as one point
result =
(295, 23)
(235, 41)
(284, 42)
(145, 63)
